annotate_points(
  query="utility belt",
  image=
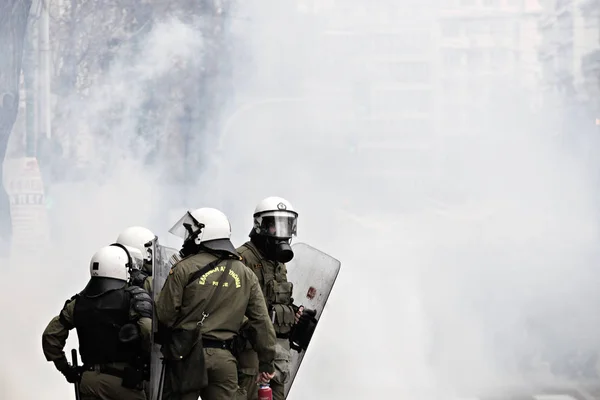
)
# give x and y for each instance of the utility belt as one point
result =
(132, 377)
(218, 344)
(105, 369)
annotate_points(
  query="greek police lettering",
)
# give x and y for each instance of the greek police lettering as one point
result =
(207, 274)
(236, 278)
(221, 268)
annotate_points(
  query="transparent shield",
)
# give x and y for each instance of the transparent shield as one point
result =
(160, 271)
(313, 274)
(183, 227)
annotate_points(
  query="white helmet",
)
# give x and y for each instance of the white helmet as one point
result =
(275, 217)
(137, 237)
(111, 262)
(205, 225)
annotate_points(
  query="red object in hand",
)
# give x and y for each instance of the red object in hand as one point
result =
(265, 392)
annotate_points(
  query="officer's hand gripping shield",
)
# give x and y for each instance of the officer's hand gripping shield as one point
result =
(160, 272)
(313, 274)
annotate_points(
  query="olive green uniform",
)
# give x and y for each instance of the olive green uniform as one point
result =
(277, 291)
(147, 286)
(177, 307)
(94, 385)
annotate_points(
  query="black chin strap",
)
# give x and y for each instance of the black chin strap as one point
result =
(129, 259)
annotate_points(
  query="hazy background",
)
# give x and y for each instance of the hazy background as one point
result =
(469, 257)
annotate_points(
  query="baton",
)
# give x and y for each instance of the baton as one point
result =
(75, 365)
(161, 380)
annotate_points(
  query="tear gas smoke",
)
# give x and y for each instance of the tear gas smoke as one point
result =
(461, 253)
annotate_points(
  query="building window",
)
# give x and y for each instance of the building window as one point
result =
(499, 28)
(453, 59)
(451, 29)
(409, 42)
(499, 57)
(451, 3)
(467, 3)
(409, 72)
(397, 102)
(409, 131)
(475, 58)
(490, 3)
(476, 27)
(451, 87)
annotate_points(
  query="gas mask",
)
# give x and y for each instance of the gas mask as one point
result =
(273, 249)
(272, 234)
(281, 250)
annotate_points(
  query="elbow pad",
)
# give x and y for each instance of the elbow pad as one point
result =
(129, 333)
(141, 302)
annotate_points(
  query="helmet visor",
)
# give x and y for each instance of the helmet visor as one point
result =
(185, 226)
(279, 224)
(137, 259)
(135, 255)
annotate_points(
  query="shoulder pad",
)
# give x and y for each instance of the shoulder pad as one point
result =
(141, 302)
(178, 263)
(71, 299)
(242, 247)
(61, 317)
(243, 254)
(172, 270)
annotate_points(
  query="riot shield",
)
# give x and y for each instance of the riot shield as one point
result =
(160, 271)
(313, 274)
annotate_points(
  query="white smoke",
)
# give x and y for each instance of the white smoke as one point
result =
(445, 262)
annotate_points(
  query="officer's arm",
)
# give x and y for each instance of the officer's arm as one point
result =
(140, 312)
(148, 286)
(168, 304)
(56, 333)
(260, 328)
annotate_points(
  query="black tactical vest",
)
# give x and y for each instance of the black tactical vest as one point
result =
(98, 320)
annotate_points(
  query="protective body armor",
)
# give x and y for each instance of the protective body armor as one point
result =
(98, 320)
(277, 291)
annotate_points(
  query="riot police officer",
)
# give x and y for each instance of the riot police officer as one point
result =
(113, 324)
(138, 237)
(266, 253)
(206, 295)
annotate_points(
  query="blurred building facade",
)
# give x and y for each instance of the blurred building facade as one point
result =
(570, 56)
(391, 80)
(570, 41)
(487, 50)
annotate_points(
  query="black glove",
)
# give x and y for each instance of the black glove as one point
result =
(303, 331)
(307, 316)
(308, 322)
(70, 373)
